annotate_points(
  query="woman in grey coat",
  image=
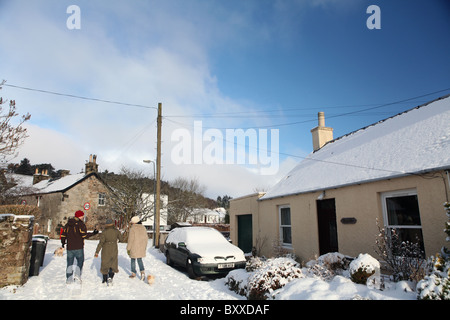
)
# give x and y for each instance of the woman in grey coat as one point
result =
(108, 245)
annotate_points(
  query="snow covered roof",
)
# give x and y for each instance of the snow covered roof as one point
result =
(417, 140)
(55, 185)
(220, 212)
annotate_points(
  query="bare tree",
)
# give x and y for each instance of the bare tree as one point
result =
(12, 134)
(131, 194)
(188, 195)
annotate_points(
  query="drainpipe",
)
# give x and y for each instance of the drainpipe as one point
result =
(448, 183)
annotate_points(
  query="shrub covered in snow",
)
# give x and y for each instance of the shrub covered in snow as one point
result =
(272, 275)
(237, 281)
(327, 266)
(363, 267)
(404, 259)
(263, 277)
(254, 263)
(436, 285)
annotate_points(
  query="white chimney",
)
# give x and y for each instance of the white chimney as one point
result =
(321, 134)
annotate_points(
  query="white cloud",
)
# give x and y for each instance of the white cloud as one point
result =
(49, 146)
(160, 54)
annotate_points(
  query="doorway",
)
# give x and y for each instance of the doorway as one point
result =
(245, 233)
(326, 219)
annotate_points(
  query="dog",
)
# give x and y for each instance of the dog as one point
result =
(59, 252)
(150, 279)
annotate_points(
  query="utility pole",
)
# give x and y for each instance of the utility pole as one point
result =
(158, 176)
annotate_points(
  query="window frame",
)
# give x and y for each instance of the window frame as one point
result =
(282, 226)
(397, 194)
(101, 199)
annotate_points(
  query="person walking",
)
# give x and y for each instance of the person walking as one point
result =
(137, 246)
(73, 234)
(108, 245)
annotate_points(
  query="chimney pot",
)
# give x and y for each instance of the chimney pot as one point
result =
(321, 116)
(92, 165)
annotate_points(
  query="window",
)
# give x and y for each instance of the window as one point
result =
(101, 199)
(401, 213)
(285, 226)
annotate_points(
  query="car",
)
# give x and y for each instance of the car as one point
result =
(202, 251)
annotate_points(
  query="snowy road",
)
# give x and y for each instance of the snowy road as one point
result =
(170, 283)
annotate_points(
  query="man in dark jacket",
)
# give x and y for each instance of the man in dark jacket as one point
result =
(74, 233)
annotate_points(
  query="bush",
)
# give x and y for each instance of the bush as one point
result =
(327, 265)
(272, 275)
(436, 285)
(363, 267)
(404, 259)
(263, 277)
(254, 263)
(237, 281)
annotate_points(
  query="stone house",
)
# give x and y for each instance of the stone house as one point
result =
(395, 173)
(59, 199)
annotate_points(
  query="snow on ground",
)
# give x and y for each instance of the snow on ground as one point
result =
(170, 283)
(174, 284)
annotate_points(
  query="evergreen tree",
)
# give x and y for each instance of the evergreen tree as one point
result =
(25, 168)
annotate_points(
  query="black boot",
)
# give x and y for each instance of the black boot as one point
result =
(111, 274)
(110, 277)
(105, 278)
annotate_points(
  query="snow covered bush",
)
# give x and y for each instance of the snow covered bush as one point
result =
(237, 281)
(436, 285)
(404, 259)
(263, 277)
(272, 275)
(327, 265)
(445, 251)
(363, 267)
(254, 263)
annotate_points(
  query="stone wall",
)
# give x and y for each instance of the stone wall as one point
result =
(15, 243)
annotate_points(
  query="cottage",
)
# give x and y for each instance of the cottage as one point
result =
(205, 216)
(395, 172)
(58, 199)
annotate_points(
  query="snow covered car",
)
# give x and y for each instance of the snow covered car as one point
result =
(202, 251)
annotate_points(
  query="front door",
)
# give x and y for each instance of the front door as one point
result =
(326, 218)
(245, 234)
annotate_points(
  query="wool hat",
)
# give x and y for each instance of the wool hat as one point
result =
(79, 214)
(135, 219)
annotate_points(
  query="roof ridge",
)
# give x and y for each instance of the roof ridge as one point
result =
(382, 121)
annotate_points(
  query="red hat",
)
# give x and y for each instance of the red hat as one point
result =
(79, 214)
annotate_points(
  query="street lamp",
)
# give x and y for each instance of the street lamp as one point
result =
(154, 200)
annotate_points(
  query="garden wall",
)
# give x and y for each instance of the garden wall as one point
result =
(15, 248)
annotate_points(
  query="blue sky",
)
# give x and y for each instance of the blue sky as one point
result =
(230, 64)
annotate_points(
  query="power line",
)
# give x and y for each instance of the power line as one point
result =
(80, 97)
(313, 117)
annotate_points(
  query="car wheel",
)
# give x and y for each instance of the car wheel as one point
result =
(190, 269)
(168, 259)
